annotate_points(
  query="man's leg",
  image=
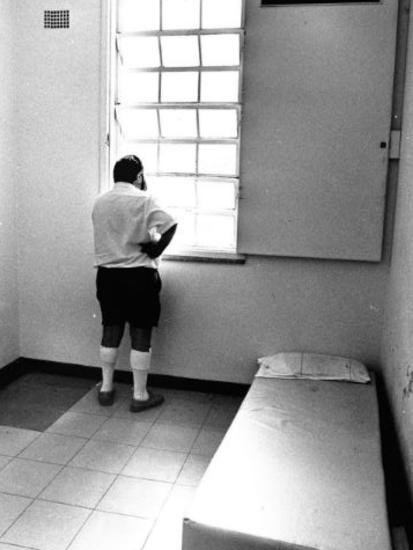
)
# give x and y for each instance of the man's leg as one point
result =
(111, 339)
(140, 359)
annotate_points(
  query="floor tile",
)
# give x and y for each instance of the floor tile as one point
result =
(155, 464)
(188, 413)
(26, 477)
(167, 532)
(208, 441)
(220, 416)
(47, 526)
(11, 506)
(82, 425)
(78, 486)
(193, 470)
(4, 546)
(104, 531)
(4, 460)
(14, 440)
(179, 502)
(104, 456)
(122, 430)
(171, 437)
(89, 404)
(55, 448)
(136, 497)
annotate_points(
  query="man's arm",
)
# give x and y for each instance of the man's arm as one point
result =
(155, 249)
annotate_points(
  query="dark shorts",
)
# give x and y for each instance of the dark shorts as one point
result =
(129, 295)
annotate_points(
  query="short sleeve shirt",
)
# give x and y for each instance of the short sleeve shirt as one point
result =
(123, 218)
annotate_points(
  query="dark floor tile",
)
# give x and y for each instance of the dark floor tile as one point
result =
(36, 400)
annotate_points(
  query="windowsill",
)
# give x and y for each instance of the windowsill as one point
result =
(206, 257)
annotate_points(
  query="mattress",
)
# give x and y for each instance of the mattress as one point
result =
(299, 468)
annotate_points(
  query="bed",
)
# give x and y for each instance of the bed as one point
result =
(299, 468)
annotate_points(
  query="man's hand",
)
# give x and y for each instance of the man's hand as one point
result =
(155, 249)
(150, 248)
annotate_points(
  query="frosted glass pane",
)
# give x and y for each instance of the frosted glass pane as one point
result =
(139, 51)
(178, 123)
(216, 195)
(138, 87)
(174, 192)
(220, 50)
(138, 123)
(177, 157)
(219, 14)
(185, 233)
(218, 123)
(180, 51)
(147, 152)
(180, 14)
(216, 232)
(178, 87)
(138, 16)
(219, 86)
(218, 159)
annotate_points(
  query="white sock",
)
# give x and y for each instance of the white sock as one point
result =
(140, 363)
(108, 357)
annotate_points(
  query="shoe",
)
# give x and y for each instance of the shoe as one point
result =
(106, 398)
(138, 405)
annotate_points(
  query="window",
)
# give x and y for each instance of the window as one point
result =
(176, 103)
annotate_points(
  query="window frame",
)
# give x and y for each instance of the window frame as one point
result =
(113, 107)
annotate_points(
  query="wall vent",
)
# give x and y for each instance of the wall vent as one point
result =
(56, 19)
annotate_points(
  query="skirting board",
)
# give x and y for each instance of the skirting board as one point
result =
(23, 365)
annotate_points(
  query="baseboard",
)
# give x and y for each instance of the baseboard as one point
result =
(11, 372)
(24, 365)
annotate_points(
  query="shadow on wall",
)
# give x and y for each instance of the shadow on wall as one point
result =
(400, 508)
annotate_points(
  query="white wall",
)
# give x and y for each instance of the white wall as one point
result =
(397, 350)
(9, 330)
(217, 319)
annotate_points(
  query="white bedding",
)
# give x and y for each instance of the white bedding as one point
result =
(300, 467)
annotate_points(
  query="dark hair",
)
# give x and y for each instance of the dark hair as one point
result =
(127, 168)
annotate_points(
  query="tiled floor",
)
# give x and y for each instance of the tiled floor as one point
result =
(103, 478)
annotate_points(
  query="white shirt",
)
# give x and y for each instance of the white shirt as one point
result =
(122, 218)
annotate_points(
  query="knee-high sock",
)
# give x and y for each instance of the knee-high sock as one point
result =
(140, 362)
(108, 357)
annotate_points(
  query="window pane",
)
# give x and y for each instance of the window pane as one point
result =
(219, 14)
(147, 152)
(220, 49)
(139, 51)
(219, 86)
(218, 123)
(185, 233)
(178, 87)
(180, 14)
(218, 159)
(180, 51)
(138, 16)
(216, 232)
(174, 192)
(138, 123)
(178, 123)
(177, 157)
(216, 195)
(138, 87)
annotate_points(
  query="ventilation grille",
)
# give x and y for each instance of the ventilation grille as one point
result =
(56, 19)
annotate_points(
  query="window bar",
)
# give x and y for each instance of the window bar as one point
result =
(160, 14)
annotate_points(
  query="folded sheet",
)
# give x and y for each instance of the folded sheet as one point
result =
(300, 365)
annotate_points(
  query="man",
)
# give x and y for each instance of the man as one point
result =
(130, 231)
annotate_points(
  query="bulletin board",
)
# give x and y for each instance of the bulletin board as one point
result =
(317, 100)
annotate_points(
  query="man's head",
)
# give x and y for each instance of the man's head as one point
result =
(130, 170)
